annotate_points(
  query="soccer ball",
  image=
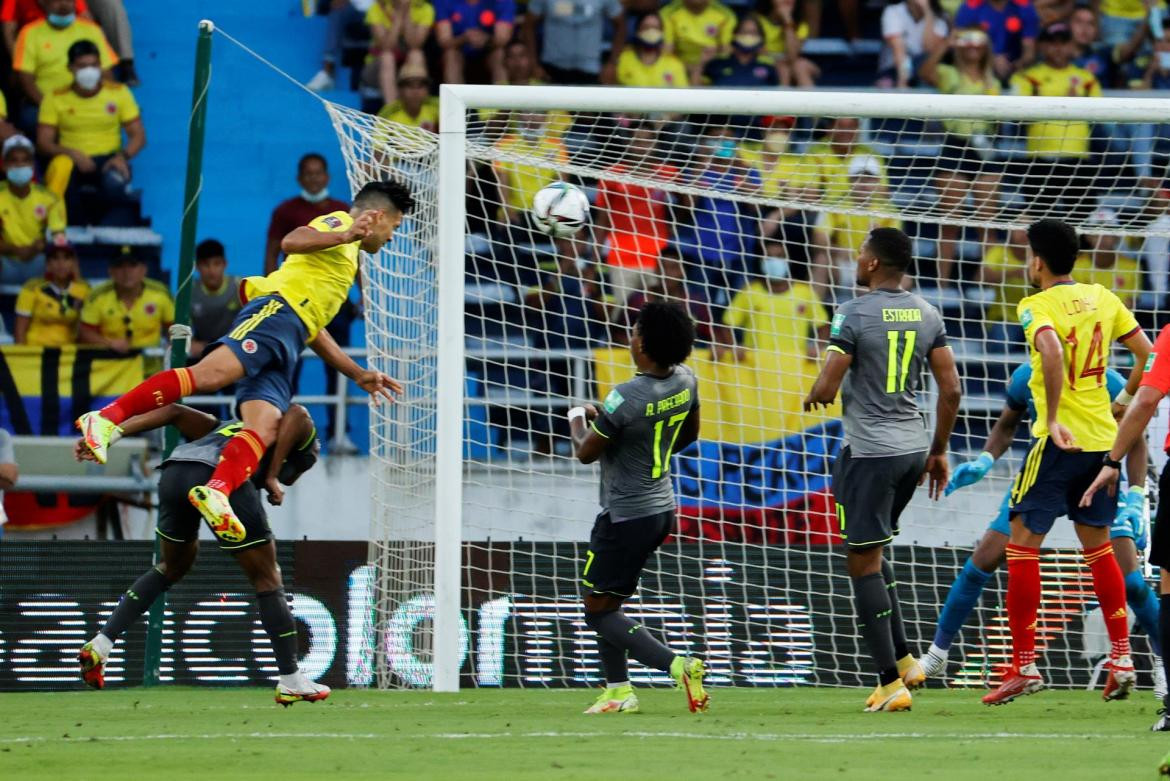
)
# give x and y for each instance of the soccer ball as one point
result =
(560, 210)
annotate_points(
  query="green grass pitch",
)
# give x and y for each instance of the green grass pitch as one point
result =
(216, 734)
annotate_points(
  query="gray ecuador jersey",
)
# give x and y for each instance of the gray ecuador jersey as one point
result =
(642, 418)
(889, 333)
(207, 449)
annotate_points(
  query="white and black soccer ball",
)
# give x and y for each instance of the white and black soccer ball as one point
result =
(560, 210)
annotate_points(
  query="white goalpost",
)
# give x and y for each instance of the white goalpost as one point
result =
(747, 207)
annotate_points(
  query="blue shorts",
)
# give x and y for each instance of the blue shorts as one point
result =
(268, 337)
(1050, 484)
(1119, 528)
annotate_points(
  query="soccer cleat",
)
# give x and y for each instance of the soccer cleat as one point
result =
(1121, 679)
(890, 698)
(911, 672)
(1163, 722)
(933, 664)
(216, 509)
(688, 673)
(618, 700)
(98, 434)
(1160, 688)
(93, 666)
(302, 690)
(1016, 683)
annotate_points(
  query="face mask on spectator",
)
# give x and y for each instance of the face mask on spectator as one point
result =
(776, 142)
(61, 20)
(1164, 61)
(20, 175)
(530, 132)
(316, 197)
(88, 77)
(775, 268)
(748, 42)
(651, 38)
(723, 148)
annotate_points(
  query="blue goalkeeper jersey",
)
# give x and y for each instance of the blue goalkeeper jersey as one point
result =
(1019, 395)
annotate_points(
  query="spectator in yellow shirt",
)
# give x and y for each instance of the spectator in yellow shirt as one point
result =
(80, 128)
(1106, 262)
(784, 34)
(1005, 270)
(415, 105)
(28, 213)
(48, 308)
(698, 31)
(518, 182)
(398, 31)
(130, 312)
(776, 315)
(41, 56)
(835, 154)
(645, 63)
(1056, 172)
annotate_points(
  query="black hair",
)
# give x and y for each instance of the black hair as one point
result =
(1056, 243)
(209, 248)
(81, 49)
(891, 247)
(308, 157)
(378, 194)
(668, 333)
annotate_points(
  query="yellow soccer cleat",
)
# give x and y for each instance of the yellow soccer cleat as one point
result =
(891, 697)
(98, 434)
(216, 509)
(688, 673)
(617, 700)
(911, 672)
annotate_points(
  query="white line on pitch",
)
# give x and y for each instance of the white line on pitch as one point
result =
(805, 737)
(217, 736)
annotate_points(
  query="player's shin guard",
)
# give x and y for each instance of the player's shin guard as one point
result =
(961, 600)
(623, 632)
(136, 601)
(157, 391)
(874, 611)
(237, 462)
(1144, 605)
(1023, 601)
(1110, 589)
(281, 628)
(613, 661)
(897, 630)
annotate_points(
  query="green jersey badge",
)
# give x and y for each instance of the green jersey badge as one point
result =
(1150, 362)
(1026, 318)
(838, 321)
(612, 401)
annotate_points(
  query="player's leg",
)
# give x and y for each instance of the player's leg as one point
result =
(904, 473)
(1127, 541)
(1159, 556)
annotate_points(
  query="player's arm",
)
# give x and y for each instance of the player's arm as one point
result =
(372, 382)
(824, 390)
(1138, 344)
(689, 432)
(1047, 343)
(1137, 416)
(190, 422)
(296, 428)
(950, 392)
(588, 442)
(306, 239)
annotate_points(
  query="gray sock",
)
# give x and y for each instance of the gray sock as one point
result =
(620, 630)
(281, 628)
(135, 602)
(613, 661)
(897, 630)
(873, 619)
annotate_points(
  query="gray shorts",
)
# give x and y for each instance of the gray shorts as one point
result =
(871, 494)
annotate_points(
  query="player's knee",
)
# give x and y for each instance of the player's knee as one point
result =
(1136, 589)
(175, 569)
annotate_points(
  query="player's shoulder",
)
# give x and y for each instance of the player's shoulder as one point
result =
(156, 289)
(102, 289)
(33, 285)
(335, 220)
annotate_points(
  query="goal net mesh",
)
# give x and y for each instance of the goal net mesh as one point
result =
(753, 223)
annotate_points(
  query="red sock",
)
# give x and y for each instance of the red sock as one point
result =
(1023, 601)
(1110, 587)
(237, 462)
(158, 391)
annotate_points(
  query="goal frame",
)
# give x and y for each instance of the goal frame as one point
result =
(454, 102)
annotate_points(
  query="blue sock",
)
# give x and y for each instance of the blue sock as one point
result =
(1144, 605)
(961, 599)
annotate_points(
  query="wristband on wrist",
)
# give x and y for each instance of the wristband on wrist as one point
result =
(1123, 398)
(987, 455)
(1140, 490)
(575, 413)
(1109, 462)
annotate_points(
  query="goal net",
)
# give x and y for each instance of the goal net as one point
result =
(749, 210)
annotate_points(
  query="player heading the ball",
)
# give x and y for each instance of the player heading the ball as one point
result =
(282, 313)
(879, 345)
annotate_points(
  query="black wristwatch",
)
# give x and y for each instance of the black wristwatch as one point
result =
(1109, 462)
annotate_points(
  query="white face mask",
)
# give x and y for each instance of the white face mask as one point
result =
(316, 197)
(88, 77)
(775, 268)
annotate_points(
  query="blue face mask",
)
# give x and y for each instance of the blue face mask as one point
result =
(62, 20)
(724, 149)
(20, 175)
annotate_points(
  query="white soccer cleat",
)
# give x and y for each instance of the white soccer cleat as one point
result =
(298, 688)
(321, 82)
(619, 700)
(934, 662)
(1160, 689)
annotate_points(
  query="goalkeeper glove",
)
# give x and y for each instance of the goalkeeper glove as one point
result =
(970, 473)
(1133, 512)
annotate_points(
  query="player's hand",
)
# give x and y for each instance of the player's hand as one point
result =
(363, 226)
(1118, 410)
(379, 386)
(81, 452)
(1063, 438)
(1133, 512)
(969, 473)
(938, 469)
(1107, 478)
(118, 345)
(84, 162)
(812, 403)
(275, 491)
(591, 412)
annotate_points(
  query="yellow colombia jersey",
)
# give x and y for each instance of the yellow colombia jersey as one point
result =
(1057, 139)
(141, 323)
(1087, 319)
(689, 33)
(92, 124)
(427, 119)
(314, 284)
(52, 312)
(666, 71)
(43, 51)
(781, 324)
(23, 220)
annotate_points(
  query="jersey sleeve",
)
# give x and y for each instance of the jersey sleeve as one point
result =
(739, 312)
(939, 337)
(843, 331)
(166, 309)
(1034, 317)
(22, 58)
(1157, 369)
(127, 106)
(337, 222)
(48, 115)
(1018, 392)
(1125, 324)
(57, 219)
(91, 312)
(25, 300)
(615, 414)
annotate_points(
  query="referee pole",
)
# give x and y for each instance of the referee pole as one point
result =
(181, 331)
